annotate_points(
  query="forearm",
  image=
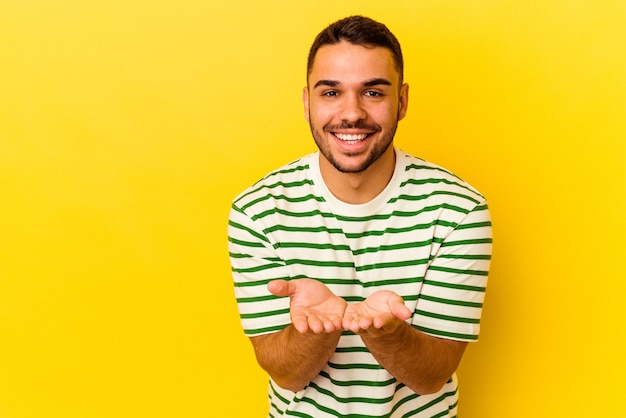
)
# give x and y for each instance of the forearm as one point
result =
(420, 361)
(293, 359)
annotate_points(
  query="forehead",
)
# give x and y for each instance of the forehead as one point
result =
(346, 62)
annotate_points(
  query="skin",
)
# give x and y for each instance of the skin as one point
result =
(296, 354)
(353, 90)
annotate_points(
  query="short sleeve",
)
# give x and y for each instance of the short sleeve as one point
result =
(451, 301)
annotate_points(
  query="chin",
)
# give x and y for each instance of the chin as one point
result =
(351, 167)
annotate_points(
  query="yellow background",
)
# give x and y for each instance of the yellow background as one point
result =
(127, 127)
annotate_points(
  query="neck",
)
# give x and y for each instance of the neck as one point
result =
(362, 187)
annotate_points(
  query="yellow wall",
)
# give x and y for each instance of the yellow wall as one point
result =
(127, 127)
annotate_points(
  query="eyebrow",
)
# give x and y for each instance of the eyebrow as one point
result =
(377, 82)
(328, 83)
(369, 83)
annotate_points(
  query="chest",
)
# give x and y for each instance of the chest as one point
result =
(357, 256)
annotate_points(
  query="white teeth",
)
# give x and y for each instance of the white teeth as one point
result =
(351, 137)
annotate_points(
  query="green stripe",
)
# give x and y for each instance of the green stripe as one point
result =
(455, 286)
(255, 190)
(424, 407)
(451, 301)
(391, 247)
(289, 169)
(351, 366)
(485, 224)
(344, 247)
(253, 299)
(278, 395)
(308, 214)
(353, 299)
(248, 230)
(353, 349)
(343, 264)
(466, 256)
(256, 269)
(417, 227)
(418, 182)
(396, 406)
(401, 214)
(256, 331)
(391, 282)
(237, 255)
(308, 229)
(312, 246)
(264, 314)
(392, 264)
(329, 281)
(437, 180)
(369, 400)
(385, 216)
(459, 271)
(283, 197)
(447, 334)
(348, 383)
(468, 241)
(428, 167)
(414, 198)
(302, 229)
(262, 282)
(246, 243)
(448, 317)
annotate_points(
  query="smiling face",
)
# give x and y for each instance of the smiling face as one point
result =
(353, 103)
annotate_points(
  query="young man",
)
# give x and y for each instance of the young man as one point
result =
(359, 271)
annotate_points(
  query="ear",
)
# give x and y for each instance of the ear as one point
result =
(305, 103)
(404, 101)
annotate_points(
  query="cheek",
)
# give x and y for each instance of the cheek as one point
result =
(384, 116)
(392, 113)
(320, 114)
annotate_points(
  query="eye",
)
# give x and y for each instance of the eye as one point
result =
(331, 93)
(372, 93)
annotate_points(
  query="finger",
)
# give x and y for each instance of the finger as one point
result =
(353, 326)
(278, 287)
(315, 324)
(328, 326)
(300, 322)
(356, 323)
(380, 321)
(365, 322)
(337, 322)
(346, 322)
(332, 324)
(400, 311)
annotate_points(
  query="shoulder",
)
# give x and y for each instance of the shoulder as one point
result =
(288, 180)
(424, 177)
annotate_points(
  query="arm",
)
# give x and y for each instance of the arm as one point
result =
(297, 353)
(309, 320)
(422, 362)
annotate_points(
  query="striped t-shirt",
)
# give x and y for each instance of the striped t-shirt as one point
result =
(426, 236)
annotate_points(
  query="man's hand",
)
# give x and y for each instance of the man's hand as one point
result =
(381, 313)
(313, 306)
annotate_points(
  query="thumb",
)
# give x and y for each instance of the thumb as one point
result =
(279, 287)
(400, 311)
(398, 308)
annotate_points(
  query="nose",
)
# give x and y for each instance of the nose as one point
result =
(352, 109)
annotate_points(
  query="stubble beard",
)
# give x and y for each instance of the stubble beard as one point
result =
(373, 156)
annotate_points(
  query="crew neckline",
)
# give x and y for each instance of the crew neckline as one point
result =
(350, 209)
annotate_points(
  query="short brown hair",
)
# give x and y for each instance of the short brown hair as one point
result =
(358, 30)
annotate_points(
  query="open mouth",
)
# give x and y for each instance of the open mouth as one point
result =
(350, 138)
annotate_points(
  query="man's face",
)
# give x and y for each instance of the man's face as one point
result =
(353, 103)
